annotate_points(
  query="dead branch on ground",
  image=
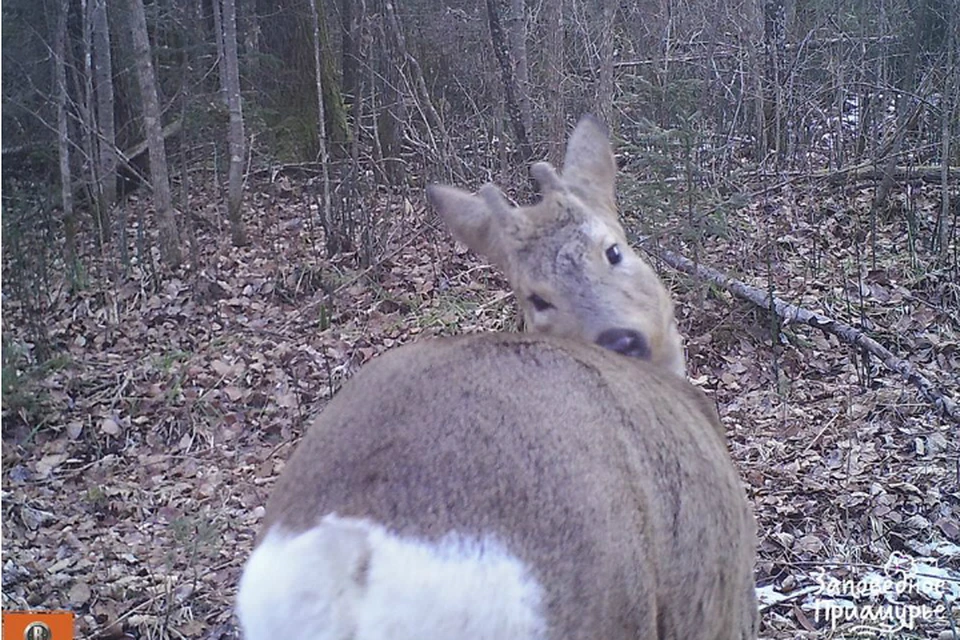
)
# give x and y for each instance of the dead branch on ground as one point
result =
(791, 313)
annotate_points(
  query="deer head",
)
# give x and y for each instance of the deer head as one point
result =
(567, 257)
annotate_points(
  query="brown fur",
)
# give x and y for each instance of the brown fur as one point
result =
(608, 478)
(556, 249)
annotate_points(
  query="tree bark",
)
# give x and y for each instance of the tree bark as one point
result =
(221, 53)
(390, 108)
(774, 40)
(63, 135)
(250, 27)
(553, 78)
(103, 75)
(605, 88)
(350, 48)
(162, 200)
(418, 85)
(334, 110)
(509, 83)
(951, 92)
(236, 136)
(88, 124)
(332, 230)
(517, 35)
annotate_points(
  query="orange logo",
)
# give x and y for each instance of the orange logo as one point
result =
(38, 625)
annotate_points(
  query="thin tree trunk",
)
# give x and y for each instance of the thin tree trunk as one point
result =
(605, 90)
(517, 34)
(359, 25)
(390, 107)
(943, 238)
(509, 84)
(335, 111)
(906, 113)
(333, 232)
(419, 85)
(103, 70)
(251, 42)
(553, 78)
(951, 94)
(236, 136)
(218, 37)
(774, 39)
(188, 219)
(63, 137)
(88, 124)
(349, 46)
(169, 236)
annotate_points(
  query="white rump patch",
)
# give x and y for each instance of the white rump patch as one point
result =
(350, 579)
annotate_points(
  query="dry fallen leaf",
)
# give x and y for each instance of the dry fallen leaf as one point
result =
(810, 544)
(48, 463)
(74, 429)
(79, 593)
(234, 393)
(110, 427)
(222, 368)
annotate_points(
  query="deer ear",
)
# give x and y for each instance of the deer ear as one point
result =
(547, 177)
(589, 168)
(482, 222)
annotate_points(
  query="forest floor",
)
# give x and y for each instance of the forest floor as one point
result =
(138, 455)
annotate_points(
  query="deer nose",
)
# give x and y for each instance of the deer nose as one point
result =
(627, 342)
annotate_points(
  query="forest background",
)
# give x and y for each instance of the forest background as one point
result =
(214, 213)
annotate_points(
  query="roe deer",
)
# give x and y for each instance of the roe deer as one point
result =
(516, 487)
(567, 257)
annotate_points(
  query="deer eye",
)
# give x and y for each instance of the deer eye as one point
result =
(539, 303)
(613, 254)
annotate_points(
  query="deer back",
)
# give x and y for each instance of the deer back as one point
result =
(587, 493)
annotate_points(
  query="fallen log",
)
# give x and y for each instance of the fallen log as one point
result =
(789, 313)
(928, 174)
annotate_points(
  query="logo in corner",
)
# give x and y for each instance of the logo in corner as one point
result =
(38, 625)
(38, 631)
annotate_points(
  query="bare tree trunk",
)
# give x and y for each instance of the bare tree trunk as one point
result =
(753, 71)
(418, 84)
(906, 112)
(236, 136)
(509, 84)
(774, 29)
(333, 232)
(88, 124)
(553, 78)
(334, 110)
(951, 93)
(103, 70)
(251, 41)
(188, 219)
(605, 90)
(943, 237)
(63, 137)
(517, 34)
(218, 37)
(354, 23)
(350, 47)
(390, 109)
(162, 200)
